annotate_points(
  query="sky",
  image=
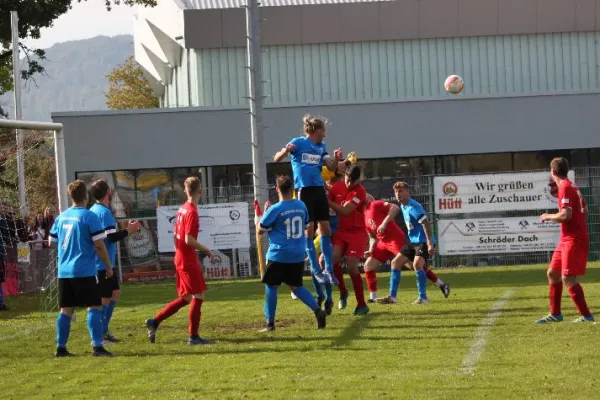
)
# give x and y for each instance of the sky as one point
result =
(85, 20)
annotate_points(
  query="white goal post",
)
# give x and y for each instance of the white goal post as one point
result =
(59, 151)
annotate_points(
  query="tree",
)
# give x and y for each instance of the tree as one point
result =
(33, 16)
(129, 89)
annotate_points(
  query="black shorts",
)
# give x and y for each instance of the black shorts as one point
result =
(277, 273)
(108, 285)
(413, 250)
(315, 199)
(79, 292)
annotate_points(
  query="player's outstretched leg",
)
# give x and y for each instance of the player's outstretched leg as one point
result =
(194, 316)
(306, 297)
(63, 328)
(444, 287)
(270, 307)
(169, 310)
(95, 327)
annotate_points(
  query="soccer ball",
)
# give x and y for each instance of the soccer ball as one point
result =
(454, 84)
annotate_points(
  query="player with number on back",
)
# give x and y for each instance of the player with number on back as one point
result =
(570, 257)
(189, 278)
(111, 290)
(308, 155)
(420, 235)
(79, 236)
(285, 223)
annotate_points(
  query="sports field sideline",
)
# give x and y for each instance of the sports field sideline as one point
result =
(481, 342)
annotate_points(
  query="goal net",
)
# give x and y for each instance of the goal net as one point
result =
(28, 206)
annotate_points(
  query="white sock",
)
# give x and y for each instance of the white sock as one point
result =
(372, 295)
(439, 283)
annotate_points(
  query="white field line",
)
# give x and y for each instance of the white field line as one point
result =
(477, 348)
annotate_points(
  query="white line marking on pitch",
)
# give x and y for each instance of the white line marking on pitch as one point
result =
(478, 346)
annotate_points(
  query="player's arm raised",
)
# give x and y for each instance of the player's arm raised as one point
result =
(281, 154)
(336, 162)
(345, 209)
(115, 236)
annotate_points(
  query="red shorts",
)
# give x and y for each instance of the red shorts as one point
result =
(570, 257)
(386, 250)
(352, 243)
(190, 280)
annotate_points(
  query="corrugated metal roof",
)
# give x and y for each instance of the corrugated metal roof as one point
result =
(221, 4)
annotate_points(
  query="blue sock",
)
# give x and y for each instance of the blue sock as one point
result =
(395, 279)
(328, 292)
(311, 252)
(270, 303)
(303, 294)
(109, 312)
(94, 323)
(63, 328)
(104, 323)
(422, 284)
(327, 251)
(317, 286)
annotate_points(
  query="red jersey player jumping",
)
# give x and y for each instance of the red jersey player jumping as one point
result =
(189, 277)
(350, 238)
(570, 257)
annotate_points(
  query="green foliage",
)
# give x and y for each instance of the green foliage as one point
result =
(33, 16)
(129, 89)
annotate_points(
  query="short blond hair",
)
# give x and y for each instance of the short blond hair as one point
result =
(192, 184)
(401, 185)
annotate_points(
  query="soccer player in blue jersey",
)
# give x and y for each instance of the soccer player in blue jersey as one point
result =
(285, 223)
(308, 155)
(110, 288)
(79, 236)
(420, 236)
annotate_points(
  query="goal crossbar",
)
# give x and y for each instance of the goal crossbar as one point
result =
(59, 151)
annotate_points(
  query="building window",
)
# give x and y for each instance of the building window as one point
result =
(527, 161)
(482, 163)
(445, 165)
(594, 159)
(122, 184)
(276, 169)
(153, 188)
(579, 158)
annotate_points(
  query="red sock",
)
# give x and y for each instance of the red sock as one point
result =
(371, 278)
(194, 316)
(359, 290)
(431, 275)
(556, 290)
(576, 292)
(170, 309)
(339, 275)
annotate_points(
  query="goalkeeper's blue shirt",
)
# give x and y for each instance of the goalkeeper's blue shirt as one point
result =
(109, 225)
(307, 160)
(285, 222)
(74, 232)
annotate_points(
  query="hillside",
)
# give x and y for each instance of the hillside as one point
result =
(75, 77)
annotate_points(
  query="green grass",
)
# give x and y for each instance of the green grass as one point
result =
(399, 351)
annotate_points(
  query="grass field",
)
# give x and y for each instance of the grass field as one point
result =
(399, 351)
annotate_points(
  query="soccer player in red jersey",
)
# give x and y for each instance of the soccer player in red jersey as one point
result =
(387, 241)
(189, 277)
(570, 257)
(350, 238)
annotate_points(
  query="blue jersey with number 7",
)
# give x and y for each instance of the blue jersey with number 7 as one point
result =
(74, 232)
(285, 222)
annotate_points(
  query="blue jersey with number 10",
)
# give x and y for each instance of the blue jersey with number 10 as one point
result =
(285, 222)
(307, 160)
(74, 232)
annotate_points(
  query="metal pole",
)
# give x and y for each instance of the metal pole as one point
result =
(61, 170)
(14, 18)
(255, 94)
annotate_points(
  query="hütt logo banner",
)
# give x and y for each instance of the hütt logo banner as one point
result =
(495, 192)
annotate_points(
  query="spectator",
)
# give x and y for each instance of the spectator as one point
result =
(49, 217)
(4, 235)
(38, 232)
